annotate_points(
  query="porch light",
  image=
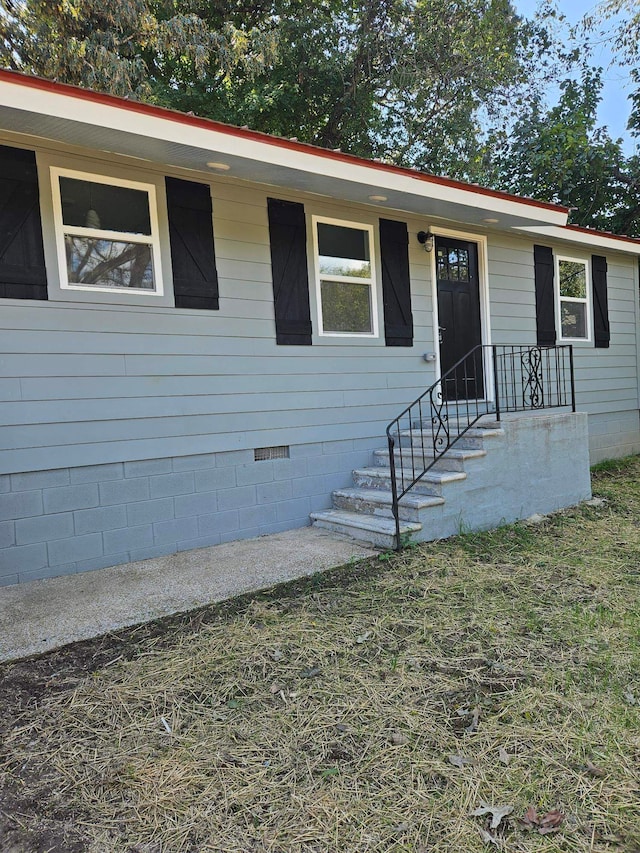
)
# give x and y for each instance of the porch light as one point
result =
(427, 240)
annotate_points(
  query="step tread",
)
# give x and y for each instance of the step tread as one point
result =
(452, 453)
(372, 523)
(379, 496)
(430, 477)
(473, 432)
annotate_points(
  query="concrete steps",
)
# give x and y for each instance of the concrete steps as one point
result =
(364, 511)
(454, 459)
(377, 530)
(378, 502)
(432, 483)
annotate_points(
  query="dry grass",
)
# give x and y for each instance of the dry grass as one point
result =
(324, 720)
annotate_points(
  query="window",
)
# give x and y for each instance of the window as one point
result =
(453, 264)
(572, 299)
(345, 278)
(106, 233)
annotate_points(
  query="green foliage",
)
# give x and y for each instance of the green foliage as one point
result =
(560, 155)
(398, 79)
(623, 32)
(412, 82)
(130, 46)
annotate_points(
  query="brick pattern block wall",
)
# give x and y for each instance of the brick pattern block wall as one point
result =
(76, 519)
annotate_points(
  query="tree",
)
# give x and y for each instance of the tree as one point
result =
(624, 37)
(560, 155)
(413, 82)
(399, 79)
(115, 47)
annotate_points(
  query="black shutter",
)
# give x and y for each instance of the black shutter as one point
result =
(193, 258)
(22, 270)
(545, 310)
(600, 301)
(396, 285)
(288, 240)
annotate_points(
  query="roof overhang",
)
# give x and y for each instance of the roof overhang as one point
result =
(69, 115)
(585, 237)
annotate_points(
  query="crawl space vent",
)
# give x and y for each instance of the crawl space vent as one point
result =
(260, 454)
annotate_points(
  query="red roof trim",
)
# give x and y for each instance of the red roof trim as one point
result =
(20, 79)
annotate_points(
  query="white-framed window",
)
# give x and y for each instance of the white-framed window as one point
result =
(106, 233)
(572, 299)
(345, 278)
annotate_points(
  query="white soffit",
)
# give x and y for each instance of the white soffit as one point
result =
(70, 119)
(585, 238)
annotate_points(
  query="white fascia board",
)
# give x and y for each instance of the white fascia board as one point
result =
(97, 114)
(593, 240)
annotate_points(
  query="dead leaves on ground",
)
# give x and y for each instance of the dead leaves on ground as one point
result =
(531, 821)
(498, 813)
(550, 822)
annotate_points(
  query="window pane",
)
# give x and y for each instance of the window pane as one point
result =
(109, 263)
(86, 204)
(346, 307)
(574, 319)
(443, 269)
(343, 251)
(453, 264)
(573, 279)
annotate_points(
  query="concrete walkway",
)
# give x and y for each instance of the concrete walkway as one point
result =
(42, 615)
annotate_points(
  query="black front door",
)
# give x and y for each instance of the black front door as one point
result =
(459, 317)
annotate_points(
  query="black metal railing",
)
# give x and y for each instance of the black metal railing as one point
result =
(524, 378)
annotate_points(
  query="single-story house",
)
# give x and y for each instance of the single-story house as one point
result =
(205, 332)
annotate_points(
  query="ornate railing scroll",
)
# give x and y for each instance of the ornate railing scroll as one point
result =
(524, 378)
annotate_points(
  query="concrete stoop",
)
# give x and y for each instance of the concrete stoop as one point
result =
(496, 473)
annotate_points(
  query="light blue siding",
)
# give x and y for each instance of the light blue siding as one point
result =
(92, 384)
(606, 378)
(128, 431)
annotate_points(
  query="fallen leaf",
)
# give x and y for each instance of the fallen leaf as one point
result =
(398, 739)
(276, 654)
(401, 827)
(551, 822)
(364, 637)
(594, 770)
(276, 687)
(498, 813)
(487, 837)
(342, 727)
(459, 761)
(629, 697)
(504, 756)
(530, 819)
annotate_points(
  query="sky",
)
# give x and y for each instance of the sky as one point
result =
(614, 109)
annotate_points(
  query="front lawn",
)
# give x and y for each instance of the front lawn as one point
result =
(370, 709)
